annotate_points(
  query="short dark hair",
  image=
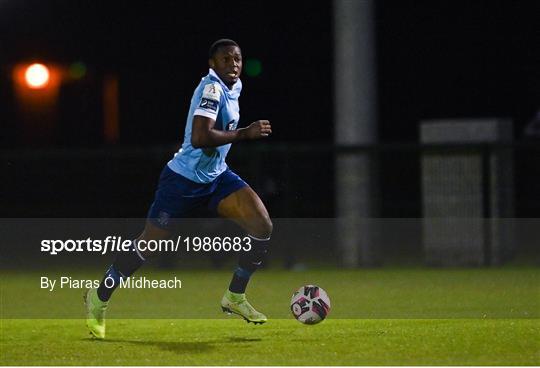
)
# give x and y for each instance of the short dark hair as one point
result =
(220, 43)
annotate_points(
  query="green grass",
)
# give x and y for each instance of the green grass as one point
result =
(280, 342)
(410, 316)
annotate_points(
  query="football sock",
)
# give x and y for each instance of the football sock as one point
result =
(239, 281)
(249, 263)
(125, 264)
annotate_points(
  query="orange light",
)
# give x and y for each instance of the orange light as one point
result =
(37, 76)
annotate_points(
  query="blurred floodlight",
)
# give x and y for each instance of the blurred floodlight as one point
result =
(37, 76)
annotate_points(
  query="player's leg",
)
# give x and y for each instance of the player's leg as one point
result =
(246, 209)
(125, 264)
(167, 204)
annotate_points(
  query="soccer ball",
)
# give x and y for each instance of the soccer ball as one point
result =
(310, 304)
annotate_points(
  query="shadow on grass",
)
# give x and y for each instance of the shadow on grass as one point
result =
(180, 347)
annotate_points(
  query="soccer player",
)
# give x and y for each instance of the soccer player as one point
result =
(198, 175)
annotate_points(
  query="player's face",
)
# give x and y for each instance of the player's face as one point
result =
(227, 63)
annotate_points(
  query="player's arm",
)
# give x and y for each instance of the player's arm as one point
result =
(203, 134)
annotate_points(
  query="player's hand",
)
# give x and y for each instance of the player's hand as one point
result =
(258, 129)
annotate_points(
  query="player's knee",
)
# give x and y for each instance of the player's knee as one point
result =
(263, 228)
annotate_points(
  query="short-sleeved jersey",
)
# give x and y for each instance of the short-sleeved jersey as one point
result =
(212, 99)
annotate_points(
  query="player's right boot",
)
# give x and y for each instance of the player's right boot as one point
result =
(95, 313)
(238, 304)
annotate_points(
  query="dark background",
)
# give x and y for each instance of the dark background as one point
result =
(435, 59)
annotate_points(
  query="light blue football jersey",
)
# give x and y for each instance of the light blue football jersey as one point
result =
(213, 99)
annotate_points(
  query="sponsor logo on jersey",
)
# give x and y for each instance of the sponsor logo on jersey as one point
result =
(208, 104)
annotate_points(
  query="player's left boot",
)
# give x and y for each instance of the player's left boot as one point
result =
(238, 304)
(95, 313)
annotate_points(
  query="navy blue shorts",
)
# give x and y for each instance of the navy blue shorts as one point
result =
(176, 196)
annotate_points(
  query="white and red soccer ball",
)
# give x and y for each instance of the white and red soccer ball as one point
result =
(310, 304)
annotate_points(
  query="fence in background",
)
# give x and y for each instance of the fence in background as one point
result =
(294, 180)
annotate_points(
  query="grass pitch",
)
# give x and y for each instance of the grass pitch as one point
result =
(378, 317)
